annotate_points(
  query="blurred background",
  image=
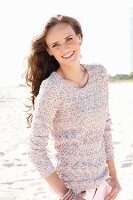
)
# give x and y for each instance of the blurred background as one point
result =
(107, 28)
(108, 40)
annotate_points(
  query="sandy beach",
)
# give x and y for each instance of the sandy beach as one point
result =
(19, 180)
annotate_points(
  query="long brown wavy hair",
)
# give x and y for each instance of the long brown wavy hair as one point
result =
(39, 63)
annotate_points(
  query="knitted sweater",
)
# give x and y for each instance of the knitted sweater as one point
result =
(78, 120)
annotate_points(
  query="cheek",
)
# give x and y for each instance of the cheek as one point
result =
(76, 45)
(57, 55)
(54, 53)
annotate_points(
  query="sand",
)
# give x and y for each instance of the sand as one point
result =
(19, 180)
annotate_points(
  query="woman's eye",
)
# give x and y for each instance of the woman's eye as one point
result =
(55, 45)
(69, 39)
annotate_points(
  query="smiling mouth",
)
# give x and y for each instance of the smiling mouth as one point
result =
(68, 55)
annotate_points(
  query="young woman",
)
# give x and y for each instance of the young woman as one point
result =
(70, 102)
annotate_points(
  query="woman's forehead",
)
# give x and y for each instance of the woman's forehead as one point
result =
(59, 31)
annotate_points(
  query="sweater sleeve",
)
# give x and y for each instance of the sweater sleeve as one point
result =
(108, 125)
(46, 105)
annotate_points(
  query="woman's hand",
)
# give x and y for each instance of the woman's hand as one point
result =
(80, 196)
(74, 196)
(116, 188)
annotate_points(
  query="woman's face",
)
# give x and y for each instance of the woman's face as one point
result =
(63, 43)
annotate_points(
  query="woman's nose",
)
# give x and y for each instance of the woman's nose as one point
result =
(64, 47)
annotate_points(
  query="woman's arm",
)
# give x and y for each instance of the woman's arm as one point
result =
(56, 184)
(46, 105)
(112, 181)
(112, 169)
(109, 149)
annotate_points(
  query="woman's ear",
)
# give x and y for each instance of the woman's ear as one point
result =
(80, 39)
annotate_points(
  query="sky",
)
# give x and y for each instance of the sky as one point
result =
(105, 27)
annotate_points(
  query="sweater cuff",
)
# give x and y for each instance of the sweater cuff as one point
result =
(110, 155)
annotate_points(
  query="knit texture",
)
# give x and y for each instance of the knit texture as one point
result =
(78, 119)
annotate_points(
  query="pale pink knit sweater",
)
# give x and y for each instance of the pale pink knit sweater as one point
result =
(78, 120)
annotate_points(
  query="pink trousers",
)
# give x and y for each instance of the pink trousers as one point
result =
(97, 194)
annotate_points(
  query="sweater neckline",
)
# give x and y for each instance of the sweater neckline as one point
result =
(70, 86)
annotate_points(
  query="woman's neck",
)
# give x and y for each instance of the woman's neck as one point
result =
(72, 73)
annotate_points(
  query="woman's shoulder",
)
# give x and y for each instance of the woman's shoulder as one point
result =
(97, 69)
(96, 66)
(48, 93)
(50, 83)
(49, 88)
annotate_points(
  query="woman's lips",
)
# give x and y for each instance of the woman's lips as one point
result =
(68, 55)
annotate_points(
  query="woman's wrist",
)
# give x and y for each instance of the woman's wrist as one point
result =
(113, 173)
(111, 168)
(64, 192)
(69, 195)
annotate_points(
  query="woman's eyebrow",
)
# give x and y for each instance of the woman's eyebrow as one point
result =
(68, 36)
(58, 41)
(53, 43)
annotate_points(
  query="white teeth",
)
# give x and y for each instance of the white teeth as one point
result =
(68, 55)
